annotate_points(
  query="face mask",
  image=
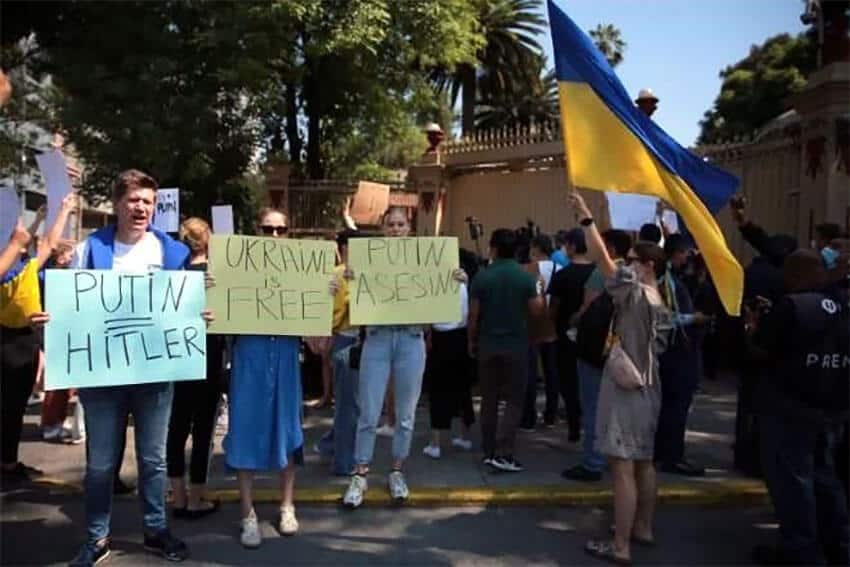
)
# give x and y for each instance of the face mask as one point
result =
(830, 257)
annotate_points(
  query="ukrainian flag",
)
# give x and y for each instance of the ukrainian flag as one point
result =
(610, 145)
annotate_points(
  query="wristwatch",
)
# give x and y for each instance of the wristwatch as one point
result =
(586, 222)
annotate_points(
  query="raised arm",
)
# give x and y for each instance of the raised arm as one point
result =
(20, 239)
(54, 235)
(595, 245)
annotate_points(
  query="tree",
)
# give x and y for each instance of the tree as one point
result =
(756, 89)
(510, 29)
(536, 100)
(609, 41)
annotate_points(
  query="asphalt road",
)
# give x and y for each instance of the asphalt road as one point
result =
(42, 529)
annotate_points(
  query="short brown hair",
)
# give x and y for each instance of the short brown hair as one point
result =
(132, 179)
(650, 252)
(195, 232)
(804, 270)
(268, 210)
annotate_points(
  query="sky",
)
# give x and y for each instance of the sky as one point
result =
(678, 47)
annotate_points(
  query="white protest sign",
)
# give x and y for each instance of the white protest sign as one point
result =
(671, 220)
(629, 211)
(10, 208)
(222, 219)
(167, 216)
(54, 171)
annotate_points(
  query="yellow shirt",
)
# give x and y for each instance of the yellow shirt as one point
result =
(20, 297)
(341, 321)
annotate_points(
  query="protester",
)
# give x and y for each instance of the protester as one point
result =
(802, 404)
(543, 352)
(450, 381)
(264, 404)
(502, 299)
(19, 343)
(593, 321)
(338, 443)
(647, 102)
(131, 245)
(560, 255)
(626, 418)
(389, 351)
(566, 292)
(650, 233)
(195, 404)
(680, 364)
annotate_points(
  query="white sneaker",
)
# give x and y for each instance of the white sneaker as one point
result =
(251, 536)
(385, 431)
(288, 522)
(464, 444)
(431, 451)
(398, 488)
(35, 399)
(354, 493)
(55, 433)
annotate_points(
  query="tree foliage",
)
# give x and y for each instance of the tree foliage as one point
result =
(756, 89)
(608, 39)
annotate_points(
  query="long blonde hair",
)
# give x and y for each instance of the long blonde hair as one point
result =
(195, 232)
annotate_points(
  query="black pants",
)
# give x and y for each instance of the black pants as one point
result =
(569, 383)
(18, 360)
(449, 379)
(503, 375)
(193, 410)
(679, 381)
(546, 354)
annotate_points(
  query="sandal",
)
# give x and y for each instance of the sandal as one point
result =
(606, 551)
(635, 540)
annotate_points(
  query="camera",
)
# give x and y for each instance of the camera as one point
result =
(476, 229)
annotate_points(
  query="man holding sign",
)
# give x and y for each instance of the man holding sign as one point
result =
(400, 283)
(134, 248)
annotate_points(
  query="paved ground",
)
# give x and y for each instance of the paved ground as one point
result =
(40, 529)
(545, 453)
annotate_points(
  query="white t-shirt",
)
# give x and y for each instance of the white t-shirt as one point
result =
(464, 313)
(146, 255)
(547, 269)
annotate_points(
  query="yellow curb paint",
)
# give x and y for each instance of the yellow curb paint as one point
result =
(733, 492)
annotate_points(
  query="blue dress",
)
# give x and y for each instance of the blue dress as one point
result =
(264, 404)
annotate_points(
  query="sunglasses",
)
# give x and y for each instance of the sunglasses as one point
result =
(275, 230)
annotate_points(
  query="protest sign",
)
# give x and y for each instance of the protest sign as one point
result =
(111, 328)
(271, 286)
(404, 281)
(629, 211)
(167, 215)
(369, 203)
(54, 171)
(10, 209)
(222, 219)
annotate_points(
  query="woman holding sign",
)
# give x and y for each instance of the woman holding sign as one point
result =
(265, 410)
(397, 350)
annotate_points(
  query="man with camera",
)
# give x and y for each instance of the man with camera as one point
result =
(802, 402)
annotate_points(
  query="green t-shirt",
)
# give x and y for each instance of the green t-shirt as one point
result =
(503, 290)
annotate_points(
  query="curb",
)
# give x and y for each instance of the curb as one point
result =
(729, 493)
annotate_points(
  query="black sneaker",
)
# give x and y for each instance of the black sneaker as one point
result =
(168, 546)
(91, 554)
(120, 488)
(508, 464)
(582, 473)
(683, 468)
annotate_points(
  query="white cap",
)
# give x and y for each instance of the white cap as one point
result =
(433, 127)
(647, 94)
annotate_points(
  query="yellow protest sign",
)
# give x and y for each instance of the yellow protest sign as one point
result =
(404, 281)
(271, 286)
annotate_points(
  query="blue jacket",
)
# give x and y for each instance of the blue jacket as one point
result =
(101, 246)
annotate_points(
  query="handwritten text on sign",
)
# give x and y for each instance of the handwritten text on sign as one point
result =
(111, 328)
(400, 281)
(271, 286)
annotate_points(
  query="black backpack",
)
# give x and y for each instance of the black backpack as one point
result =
(593, 328)
(816, 370)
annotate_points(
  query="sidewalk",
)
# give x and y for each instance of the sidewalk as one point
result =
(458, 477)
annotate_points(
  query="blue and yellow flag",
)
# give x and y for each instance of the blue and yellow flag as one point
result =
(611, 145)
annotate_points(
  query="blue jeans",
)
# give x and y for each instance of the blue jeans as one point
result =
(589, 378)
(338, 443)
(397, 351)
(799, 470)
(106, 411)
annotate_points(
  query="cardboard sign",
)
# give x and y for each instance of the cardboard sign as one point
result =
(167, 214)
(10, 209)
(404, 281)
(271, 286)
(111, 328)
(222, 219)
(370, 202)
(54, 171)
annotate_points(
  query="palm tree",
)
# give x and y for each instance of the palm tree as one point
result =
(510, 28)
(610, 42)
(535, 99)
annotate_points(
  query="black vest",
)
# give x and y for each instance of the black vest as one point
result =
(815, 371)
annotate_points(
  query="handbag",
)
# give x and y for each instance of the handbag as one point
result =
(622, 369)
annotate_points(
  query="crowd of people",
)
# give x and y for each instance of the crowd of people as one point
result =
(618, 327)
